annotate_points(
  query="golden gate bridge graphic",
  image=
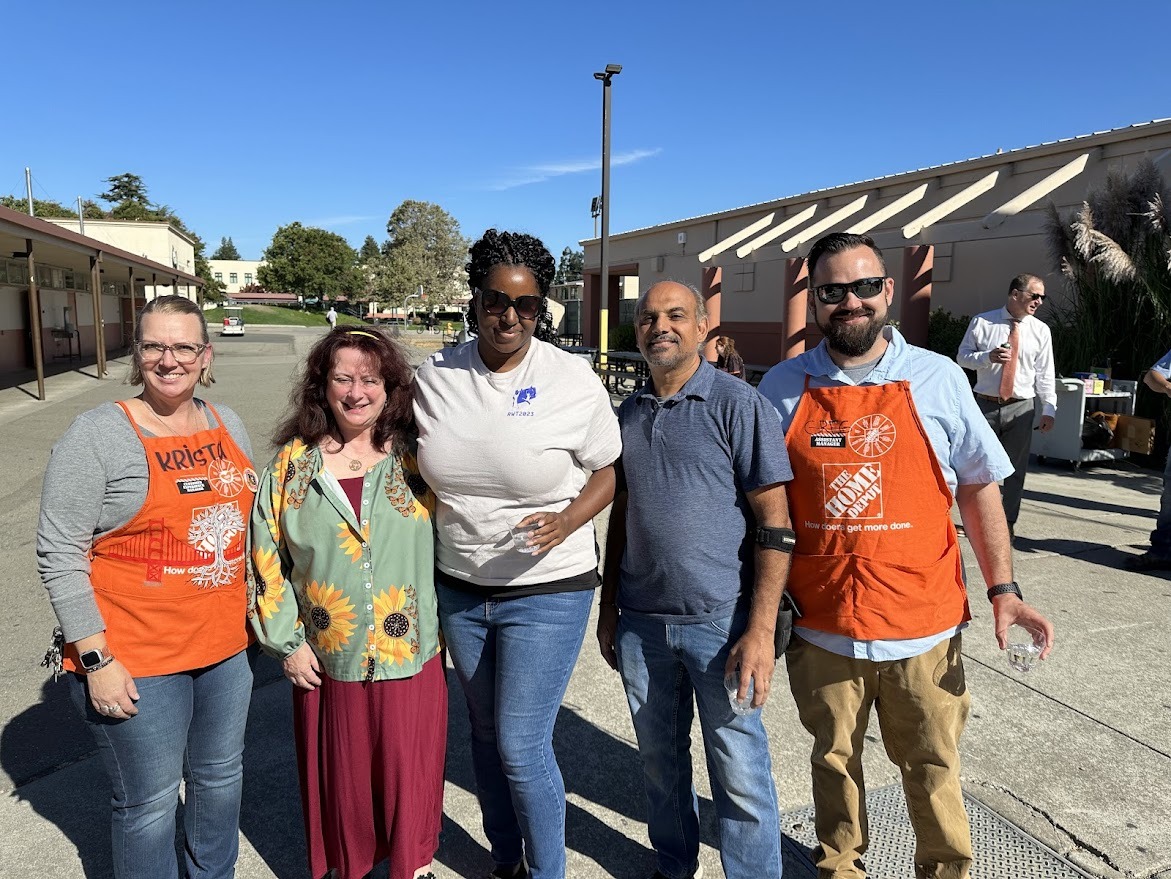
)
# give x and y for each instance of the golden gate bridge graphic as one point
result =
(212, 554)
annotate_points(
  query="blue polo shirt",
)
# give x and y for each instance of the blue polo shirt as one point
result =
(689, 462)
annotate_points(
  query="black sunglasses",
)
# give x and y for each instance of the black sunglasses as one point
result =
(864, 288)
(1037, 297)
(495, 302)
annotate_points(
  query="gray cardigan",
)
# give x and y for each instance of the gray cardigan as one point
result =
(95, 483)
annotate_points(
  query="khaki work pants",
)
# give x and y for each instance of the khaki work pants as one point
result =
(922, 705)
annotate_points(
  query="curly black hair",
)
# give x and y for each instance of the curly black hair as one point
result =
(497, 248)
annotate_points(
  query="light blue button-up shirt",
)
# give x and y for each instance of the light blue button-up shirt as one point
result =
(965, 446)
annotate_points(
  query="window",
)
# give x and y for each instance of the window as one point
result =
(232, 278)
(248, 279)
(219, 276)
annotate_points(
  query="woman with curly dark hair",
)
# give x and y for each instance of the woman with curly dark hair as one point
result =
(518, 440)
(342, 592)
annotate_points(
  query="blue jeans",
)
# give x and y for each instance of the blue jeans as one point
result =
(189, 725)
(662, 666)
(513, 658)
(1161, 536)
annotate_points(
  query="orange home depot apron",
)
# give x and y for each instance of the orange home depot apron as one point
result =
(170, 583)
(876, 556)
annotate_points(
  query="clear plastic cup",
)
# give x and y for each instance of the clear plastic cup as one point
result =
(1025, 645)
(732, 686)
(521, 535)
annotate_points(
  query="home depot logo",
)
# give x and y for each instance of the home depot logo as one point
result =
(852, 491)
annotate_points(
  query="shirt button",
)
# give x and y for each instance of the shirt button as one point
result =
(365, 521)
(371, 628)
(366, 565)
(367, 585)
(365, 503)
(365, 546)
(369, 607)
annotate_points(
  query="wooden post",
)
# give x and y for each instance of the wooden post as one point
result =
(95, 283)
(712, 289)
(34, 312)
(796, 306)
(915, 304)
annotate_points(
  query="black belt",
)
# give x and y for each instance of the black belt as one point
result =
(1001, 401)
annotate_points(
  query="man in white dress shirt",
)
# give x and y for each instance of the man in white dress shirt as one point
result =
(1011, 352)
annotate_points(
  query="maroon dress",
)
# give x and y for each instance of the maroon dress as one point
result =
(371, 778)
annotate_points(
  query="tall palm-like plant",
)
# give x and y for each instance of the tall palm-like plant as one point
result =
(1115, 255)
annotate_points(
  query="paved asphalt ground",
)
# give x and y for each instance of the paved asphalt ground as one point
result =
(1076, 754)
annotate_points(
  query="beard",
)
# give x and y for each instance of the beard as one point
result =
(852, 341)
(669, 358)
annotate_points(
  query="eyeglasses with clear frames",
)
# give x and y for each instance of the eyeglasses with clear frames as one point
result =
(183, 352)
(345, 381)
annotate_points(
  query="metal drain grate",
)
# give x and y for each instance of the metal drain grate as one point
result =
(1001, 849)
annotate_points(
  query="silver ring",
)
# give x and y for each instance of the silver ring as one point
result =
(114, 709)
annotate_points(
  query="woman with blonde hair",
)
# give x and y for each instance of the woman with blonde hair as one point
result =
(141, 546)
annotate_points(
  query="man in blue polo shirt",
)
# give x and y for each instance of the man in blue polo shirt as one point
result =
(696, 562)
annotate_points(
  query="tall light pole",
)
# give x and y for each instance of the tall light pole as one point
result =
(604, 77)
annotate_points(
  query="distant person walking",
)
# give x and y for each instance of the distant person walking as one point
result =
(1011, 352)
(1158, 557)
(331, 316)
(727, 360)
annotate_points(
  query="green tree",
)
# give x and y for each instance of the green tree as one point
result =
(570, 267)
(226, 250)
(40, 208)
(369, 251)
(309, 262)
(424, 248)
(126, 188)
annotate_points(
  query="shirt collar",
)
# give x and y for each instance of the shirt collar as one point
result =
(698, 387)
(820, 364)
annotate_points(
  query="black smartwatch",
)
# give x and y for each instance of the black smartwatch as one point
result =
(1004, 589)
(92, 660)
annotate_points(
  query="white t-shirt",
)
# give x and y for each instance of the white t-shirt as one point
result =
(495, 447)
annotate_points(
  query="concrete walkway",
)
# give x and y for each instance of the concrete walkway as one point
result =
(1077, 753)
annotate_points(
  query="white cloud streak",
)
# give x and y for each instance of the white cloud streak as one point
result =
(540, 173)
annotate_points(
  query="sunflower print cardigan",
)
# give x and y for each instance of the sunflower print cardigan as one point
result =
(359, 588)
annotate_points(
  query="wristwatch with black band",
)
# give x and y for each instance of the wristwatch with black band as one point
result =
(1005, 589)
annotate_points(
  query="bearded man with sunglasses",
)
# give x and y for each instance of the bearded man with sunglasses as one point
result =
(882, 436)
(1011, 352)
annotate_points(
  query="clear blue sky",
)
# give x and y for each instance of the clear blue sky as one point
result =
(246, 116)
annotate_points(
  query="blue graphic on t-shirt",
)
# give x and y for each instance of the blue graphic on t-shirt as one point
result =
(523, 397)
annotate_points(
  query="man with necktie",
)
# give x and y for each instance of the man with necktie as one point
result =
(1011, 352)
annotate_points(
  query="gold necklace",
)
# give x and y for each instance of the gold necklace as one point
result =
(171, 431)
(355, 464)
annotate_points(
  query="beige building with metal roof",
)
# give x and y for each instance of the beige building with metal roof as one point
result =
(953, 236)
(49, 276)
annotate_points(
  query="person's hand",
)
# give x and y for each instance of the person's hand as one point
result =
(755, 653)
(301, 667)
(607, 632)
(112, 692)
(1000, 355)
(552, 530)
(1008, 610)
(1046, 424)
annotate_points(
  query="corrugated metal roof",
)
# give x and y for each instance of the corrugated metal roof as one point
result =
(50, 230)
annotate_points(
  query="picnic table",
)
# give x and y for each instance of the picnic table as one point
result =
(624, 372)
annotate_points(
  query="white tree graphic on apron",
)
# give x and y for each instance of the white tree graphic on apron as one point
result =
(212, 530)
